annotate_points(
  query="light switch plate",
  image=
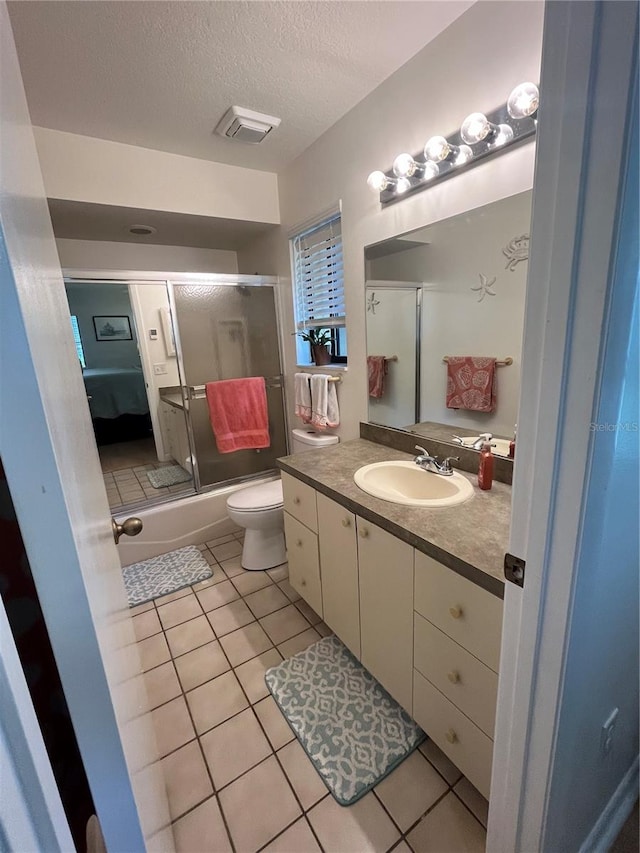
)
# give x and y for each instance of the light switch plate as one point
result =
(160, 369)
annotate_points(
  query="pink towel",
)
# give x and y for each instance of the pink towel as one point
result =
(377, 370)
(471, 383)
(238, 413)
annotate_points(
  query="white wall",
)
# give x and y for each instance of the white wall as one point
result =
(82, 168)
(87, 301)
(105, 255)
(472, 65)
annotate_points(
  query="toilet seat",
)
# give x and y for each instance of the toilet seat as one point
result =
(257, 498)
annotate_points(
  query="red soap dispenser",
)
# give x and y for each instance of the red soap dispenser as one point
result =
(485, 471)
(512, 443)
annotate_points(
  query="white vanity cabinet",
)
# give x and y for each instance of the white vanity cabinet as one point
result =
(430, 636)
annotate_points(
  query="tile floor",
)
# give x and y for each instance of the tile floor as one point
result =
(237, 778)
(131, 485)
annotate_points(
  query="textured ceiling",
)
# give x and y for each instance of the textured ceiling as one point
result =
(161, 74)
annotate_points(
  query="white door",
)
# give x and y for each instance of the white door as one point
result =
(52, 468)
(589, 74)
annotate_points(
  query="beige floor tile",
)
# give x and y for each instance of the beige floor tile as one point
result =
(146, 624)
(284, 624)
(297, 839)
(202, 830)
(142, 608)
(218, 576)
(266, 601)
(242, 645)
(201, 665)
(217, 595)
(309, 614)
(186, 779)
(153, 651)
(449, 828)
(473, 800)
(232, 567)
(179, 611)
(221, 540)
(172, 596)
(172, 725)
(362, 827)
(298, 643)
(183, 638)
(233, 548)
(280, 573)
(288, 590)
(263, 795)
(249, 582)
(411, 790)
(251, 674)
(403, 847)
(305, 779)
(443, 765)
(214, 702)
(211, 560)
(323, 630)
(162, 684)
(274, 722)
(230, 617)
(233, 747)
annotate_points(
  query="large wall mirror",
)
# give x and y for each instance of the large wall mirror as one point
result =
(450, 291)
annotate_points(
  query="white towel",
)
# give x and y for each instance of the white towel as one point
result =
(303, 396)
(324, 402)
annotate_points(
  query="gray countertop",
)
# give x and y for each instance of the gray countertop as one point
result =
(471, 538)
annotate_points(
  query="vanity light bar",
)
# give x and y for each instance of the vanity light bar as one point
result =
(479, 136)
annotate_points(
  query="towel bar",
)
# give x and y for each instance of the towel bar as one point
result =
(505, 362)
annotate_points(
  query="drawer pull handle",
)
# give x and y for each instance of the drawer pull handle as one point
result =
(364, 532)
(299, 543)
(296, 500)
(453, 676)
(346, 522)
(451, 736)
(455, 612)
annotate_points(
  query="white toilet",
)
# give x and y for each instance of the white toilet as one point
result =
(259, 510)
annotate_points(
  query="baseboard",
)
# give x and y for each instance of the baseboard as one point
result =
(607, 827)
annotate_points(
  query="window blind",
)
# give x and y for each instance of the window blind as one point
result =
(318, 276)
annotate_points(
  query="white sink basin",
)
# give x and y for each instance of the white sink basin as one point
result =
(406, 483)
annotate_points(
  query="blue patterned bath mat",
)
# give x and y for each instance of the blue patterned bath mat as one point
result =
(352, 730)
(164, 574)
(168, 475)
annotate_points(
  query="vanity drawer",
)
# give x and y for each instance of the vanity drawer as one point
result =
(304, 562)
(461, 677)
(464, 611)
(465, 744)
(300, 501)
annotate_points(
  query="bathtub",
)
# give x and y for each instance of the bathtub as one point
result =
(185, 521)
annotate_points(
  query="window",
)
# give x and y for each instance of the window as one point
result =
(77, 339)
(319, 285)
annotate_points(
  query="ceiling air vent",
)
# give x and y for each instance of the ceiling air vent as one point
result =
(246, 125)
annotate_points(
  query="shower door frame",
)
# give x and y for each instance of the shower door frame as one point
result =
(95, 276)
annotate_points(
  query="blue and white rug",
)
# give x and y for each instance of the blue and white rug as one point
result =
(352, 730)
(164, 574)
(168, 475)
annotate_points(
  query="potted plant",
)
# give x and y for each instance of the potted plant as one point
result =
(318, 339)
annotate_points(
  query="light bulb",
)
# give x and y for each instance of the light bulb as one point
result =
(437, 149)
(475, 128)
(378, 181)
(523, 100)
(431, 170)
(404, 166)
(504, 135)
(403, 185)
(463, 155)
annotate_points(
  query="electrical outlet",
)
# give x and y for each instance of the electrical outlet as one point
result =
(160, 369)
(607, 732)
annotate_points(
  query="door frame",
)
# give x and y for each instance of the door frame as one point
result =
(588, 57)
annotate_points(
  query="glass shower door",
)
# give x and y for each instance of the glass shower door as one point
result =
(228, 331)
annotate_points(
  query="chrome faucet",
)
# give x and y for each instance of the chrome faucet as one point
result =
(477, 444)
(432, 464)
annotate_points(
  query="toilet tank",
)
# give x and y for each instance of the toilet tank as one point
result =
(306, 438)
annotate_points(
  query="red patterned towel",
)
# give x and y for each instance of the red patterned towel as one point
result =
(238, 413)
(377, 370)
(471, 383)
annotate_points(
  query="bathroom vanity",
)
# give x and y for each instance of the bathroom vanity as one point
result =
(414, 593)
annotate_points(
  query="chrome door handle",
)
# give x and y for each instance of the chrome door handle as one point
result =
(130, 527)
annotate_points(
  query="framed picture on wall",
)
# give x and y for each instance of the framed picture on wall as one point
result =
(112, 328)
